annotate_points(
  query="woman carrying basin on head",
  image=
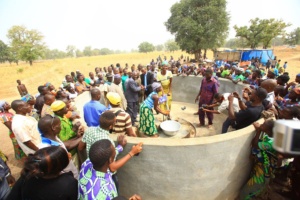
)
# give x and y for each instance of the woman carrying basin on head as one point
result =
(147, 120)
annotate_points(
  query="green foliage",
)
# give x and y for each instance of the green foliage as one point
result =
(20, 70)
(105, 51)
(87, 51)
(78, 53)
(261, 31)
(71, 51)
(199, 24)
(171, 45)
(293, 38)
(235, 43)
(159, 47)
(27, 44)
(4, 52)
(55, 54)
(146, 47)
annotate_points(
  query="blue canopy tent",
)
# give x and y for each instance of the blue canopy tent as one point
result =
(264, 54)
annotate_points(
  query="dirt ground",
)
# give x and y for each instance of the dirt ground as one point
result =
(9, 93)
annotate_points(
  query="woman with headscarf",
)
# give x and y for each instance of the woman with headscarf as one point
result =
(147, 120)
(165, 78)
(31, 101)
(6, 118)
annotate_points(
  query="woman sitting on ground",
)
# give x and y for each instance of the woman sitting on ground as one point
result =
(147, 120)
(41, 177)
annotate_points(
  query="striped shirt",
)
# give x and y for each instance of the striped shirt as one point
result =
(123, 121)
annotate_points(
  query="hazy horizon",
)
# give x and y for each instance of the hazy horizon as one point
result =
(121, 25)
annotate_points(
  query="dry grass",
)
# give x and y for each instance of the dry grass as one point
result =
(55, 70)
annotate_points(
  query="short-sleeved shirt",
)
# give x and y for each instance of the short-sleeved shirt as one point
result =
(66, 133)
(207, 90)
(123, 121)
(92, 111)
(246, 117)
(25, 129)
(80, 86)
(225, 103)
(225, 73)
(239, 77)
(94, 134)
(164, 79)
(95, 184)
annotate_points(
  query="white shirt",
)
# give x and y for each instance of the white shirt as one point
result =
(271, 97)
(25, 129)
(225, 103)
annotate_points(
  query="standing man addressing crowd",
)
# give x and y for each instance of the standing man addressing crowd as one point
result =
(209, 87)
(93, 109)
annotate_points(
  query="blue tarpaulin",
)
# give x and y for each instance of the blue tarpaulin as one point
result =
(264, 54)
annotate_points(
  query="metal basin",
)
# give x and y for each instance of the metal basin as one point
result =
(170, 127)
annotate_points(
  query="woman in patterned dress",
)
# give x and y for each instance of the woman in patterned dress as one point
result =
(265, 161)
(6, 118)
(147, 120)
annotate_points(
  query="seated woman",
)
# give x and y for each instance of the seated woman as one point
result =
(41, 177)
(147, 120)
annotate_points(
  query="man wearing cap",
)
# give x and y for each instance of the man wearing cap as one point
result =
(25, 127)
(93, 109)
(132, 96)
(123, 123)
(115, 87)
(66, 134)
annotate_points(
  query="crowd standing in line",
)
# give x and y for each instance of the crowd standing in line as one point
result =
(62, 157)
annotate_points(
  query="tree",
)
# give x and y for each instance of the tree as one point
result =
(261, 31)
(105, 51)
(78, 53)
(55, 54)
(71, 51)
(96, 52)
(28, 44)
(159, 47)
(234, 43)
(146, 47)
(199, 24)
(87, 51)
(171, 45)
(293, 38)
(4, 52)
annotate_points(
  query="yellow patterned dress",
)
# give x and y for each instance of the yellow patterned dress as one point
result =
(165, 81)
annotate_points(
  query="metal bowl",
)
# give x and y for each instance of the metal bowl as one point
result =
(170, 127)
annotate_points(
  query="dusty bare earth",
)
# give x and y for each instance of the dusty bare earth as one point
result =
(56, 71)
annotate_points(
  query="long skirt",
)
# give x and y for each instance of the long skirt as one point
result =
(147, 121)
(19, 153)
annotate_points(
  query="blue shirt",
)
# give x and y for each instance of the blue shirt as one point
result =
(92, 111)
(149, 102)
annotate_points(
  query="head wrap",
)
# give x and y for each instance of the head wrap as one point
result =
(2, 103)
(248, 71)
(114, 98)
(155, 85)
(298, 75)
(26, 97)
(47, 84)
(164, 63)
(272, 71)
(57, 105)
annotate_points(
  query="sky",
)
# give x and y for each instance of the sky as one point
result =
(122, 24)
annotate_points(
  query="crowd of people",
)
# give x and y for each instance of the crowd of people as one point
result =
(64, 159)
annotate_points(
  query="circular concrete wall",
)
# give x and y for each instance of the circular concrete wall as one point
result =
(213, 167)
